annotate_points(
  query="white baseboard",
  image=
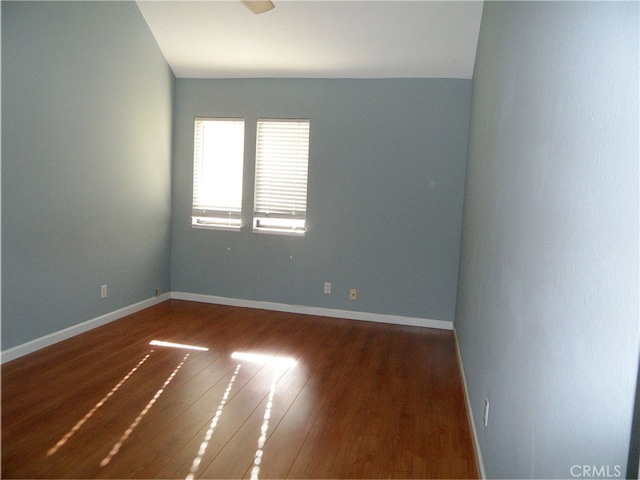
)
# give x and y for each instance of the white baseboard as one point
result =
(45, 341)
(38, 343)
(319, 311)
(476, 443)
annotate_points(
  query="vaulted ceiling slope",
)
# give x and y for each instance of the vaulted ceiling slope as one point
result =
(317, 39)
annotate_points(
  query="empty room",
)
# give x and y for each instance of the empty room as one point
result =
(320, 239)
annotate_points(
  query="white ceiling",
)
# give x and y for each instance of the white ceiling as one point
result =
(317, 39)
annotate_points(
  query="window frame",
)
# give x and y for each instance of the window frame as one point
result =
(282, 222)
(229, 217)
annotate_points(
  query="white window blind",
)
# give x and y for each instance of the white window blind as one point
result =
(282, 157)
(217, 172)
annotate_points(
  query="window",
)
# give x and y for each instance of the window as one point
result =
(218, 156)
(282, 157)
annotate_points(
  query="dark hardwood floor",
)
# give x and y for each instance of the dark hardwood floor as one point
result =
(365, 400)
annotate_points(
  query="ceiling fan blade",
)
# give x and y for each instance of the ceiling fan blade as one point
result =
(259, 6)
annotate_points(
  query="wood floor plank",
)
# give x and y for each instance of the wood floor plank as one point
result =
(177, 443)
(321, 446)
(365, 400)
(237, 410)
(298, 397)
(153, 438)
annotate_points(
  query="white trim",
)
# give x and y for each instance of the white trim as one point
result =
(38, 343)
(320, 311)
(50, 339)
(476, 443)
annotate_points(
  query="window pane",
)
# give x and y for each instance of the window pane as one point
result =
(217, 172)
(282, 157)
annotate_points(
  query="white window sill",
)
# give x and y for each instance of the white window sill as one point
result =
(279, 231)
(204, 225)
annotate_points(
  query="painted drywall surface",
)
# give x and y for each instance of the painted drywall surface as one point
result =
(86, 158)
(385, 187)
(547, 311)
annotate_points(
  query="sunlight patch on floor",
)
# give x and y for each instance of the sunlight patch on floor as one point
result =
(282, 364)
(212, 426)
(161, 343)
(274, 360)
(89, 414)
(255, 471)
(145, 410)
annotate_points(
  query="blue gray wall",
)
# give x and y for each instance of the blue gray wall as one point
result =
(547, 312)
(386, 177)
(86, 149)
(547, 309)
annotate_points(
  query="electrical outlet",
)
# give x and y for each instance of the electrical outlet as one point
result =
(158, 292)
(103, 291)
(327, 287)
(353, 294)
(485, 415)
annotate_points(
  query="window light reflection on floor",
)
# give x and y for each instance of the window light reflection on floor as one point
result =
(274, 360)
(161, 343)
(282, 364)
(257, 460)
(89, 414)
(212, 426)
(134, 424)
